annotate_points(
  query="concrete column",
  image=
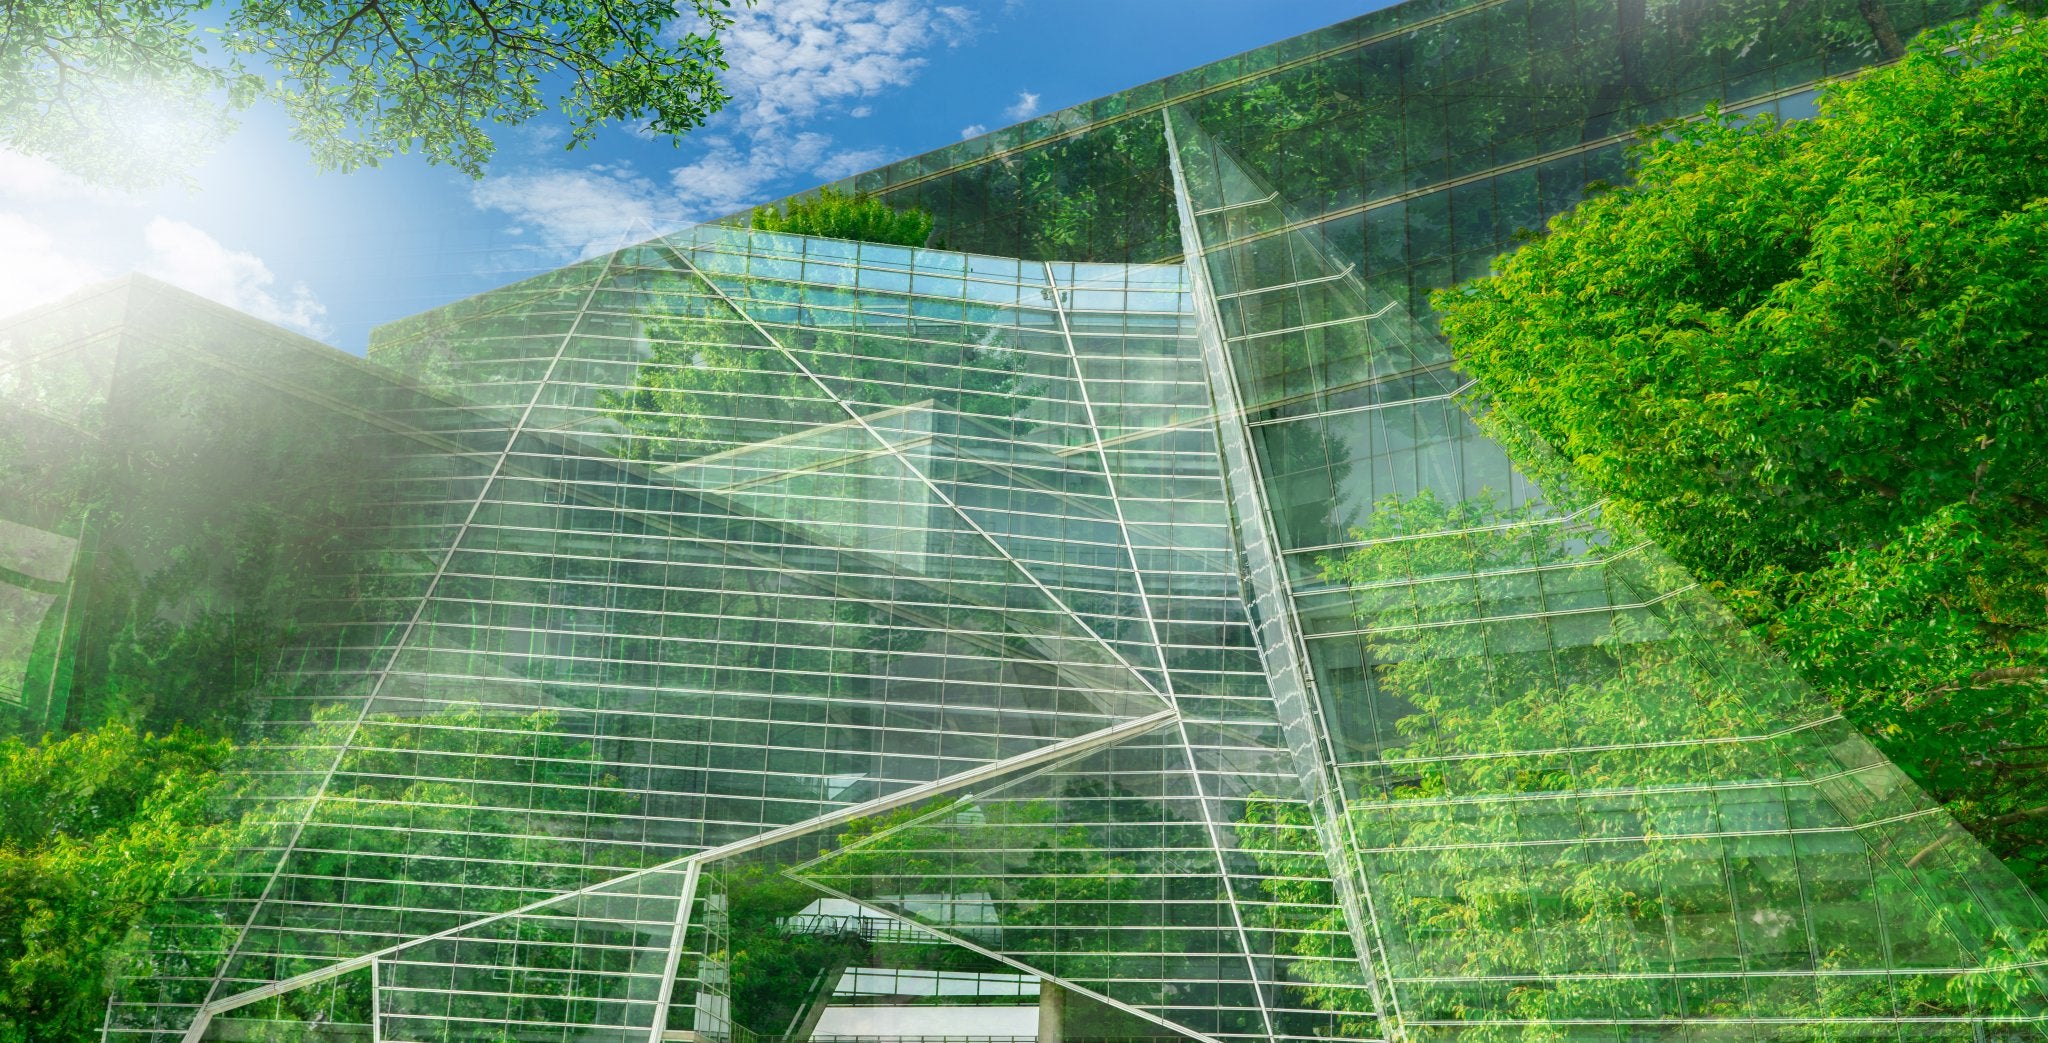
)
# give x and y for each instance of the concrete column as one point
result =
(1052, 1012)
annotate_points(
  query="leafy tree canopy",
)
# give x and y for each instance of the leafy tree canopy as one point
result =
(836, 215)
(125, 91)
(1809, 360)
(98, 830)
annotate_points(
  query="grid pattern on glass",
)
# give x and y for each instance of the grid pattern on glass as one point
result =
(547, 693)
(226, 484)
(781, 526)
(1580, 793)
(728, 503)
(1488, 98)
(327, 451)
(1100, 873)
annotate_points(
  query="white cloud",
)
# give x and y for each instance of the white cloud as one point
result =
(792, 58)
(60, 234)
(185, 256)
(1025, 108)
(727, 178)
(736, 174)
(850, 161)
(579, 212)
(34, 269)
(973, 130)
(791, 63)
(34, 179)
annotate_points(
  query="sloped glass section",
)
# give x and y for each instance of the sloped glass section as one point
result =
(1646, 817)
(1579, 797)
(653, 632)
(592, 966)
(684, 555)
(970, 377)
(1100, 872)
(780, 958)
(340, 1009)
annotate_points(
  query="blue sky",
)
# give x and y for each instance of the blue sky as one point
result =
(821, 88)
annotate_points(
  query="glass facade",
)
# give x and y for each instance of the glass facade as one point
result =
(1117, 594)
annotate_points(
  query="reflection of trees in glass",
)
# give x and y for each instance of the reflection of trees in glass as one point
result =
(698, 393)
(337, 1010)
(1476, 688)
(776, 967)
(1105, 195)
(1570, 874)
(181, 593)
(709, 384)
(1442, 100)
(1083, 877)
(1317, 129)
(226, 503)
(1281, 836)
(405, 844)
(776, 973)
(1813, 377)
(1308, 473)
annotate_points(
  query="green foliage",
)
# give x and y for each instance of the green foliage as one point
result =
(709, 385)
(1588, 875)
(836, 215)
(1281, 837)
(1071, 870)
(126, 91)
(1809, 360)
(510, 832)
(99, 831)
(775, 971)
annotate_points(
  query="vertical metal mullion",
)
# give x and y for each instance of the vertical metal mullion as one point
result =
(205, 1016)
(673, 961)
(376, 1001)
(1354, 898)
(1165, 675)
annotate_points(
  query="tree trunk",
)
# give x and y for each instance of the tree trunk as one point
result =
(1880, 21)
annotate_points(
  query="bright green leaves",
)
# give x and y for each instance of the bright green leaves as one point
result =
(97, 830)
(117, 92)
(836, 215)
(1808, 359)
(367, 79)
(127, 91)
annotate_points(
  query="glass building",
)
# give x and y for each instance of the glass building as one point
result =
(1112, 608)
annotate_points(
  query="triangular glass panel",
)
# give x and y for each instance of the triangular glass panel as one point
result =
(335, 1010)
(590, 965)
(981, 400)
(784, 958)
(1099, 872)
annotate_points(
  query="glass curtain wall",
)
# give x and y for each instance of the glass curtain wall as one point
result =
(1118, 593)
(777, 527)
(1579, 797)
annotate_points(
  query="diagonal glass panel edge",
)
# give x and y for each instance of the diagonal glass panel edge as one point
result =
(1101, 871)
(635, 882)
(936, 491)
(1510, 784)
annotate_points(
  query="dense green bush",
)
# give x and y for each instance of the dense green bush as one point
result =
(1809, 360)
(836, 215)
(98, 832)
